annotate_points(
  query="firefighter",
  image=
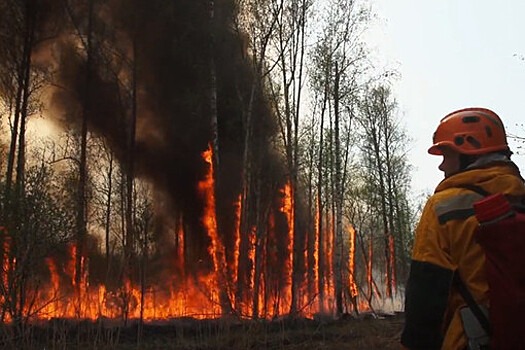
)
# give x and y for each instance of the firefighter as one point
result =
(475, 152)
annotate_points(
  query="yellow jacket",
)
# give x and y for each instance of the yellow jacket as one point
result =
(443, 245)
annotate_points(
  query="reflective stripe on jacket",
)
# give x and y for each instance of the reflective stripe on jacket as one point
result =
(444, 244)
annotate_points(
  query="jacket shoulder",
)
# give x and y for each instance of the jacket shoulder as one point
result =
(454, 204)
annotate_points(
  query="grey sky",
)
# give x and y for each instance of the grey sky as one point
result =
(452, 54)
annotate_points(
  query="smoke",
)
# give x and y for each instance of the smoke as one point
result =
(166, 47)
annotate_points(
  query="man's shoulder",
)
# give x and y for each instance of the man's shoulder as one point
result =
(454, 203)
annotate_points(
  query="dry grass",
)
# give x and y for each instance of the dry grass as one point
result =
(366, 332)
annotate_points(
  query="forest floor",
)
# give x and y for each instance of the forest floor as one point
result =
(365, 331)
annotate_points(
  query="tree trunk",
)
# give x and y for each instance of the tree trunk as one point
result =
(337, 197)
(82, 182)
(259, 245)
(384, 215)
(213, 89)
(130, 166)
(20, 114)
(299, 246)
(143, 269)
(107, 221)
(320, 211)
(245, 199)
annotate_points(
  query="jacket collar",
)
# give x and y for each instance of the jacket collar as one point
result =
(482, 171)
(488, 159)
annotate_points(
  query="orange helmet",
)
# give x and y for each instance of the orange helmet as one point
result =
(470, 131)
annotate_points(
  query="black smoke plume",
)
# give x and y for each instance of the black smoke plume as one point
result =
(168, 46)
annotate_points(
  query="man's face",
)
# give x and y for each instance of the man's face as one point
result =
(450, 163)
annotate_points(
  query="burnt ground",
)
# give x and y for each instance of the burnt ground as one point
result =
(366, 331)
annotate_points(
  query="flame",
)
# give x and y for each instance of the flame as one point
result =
(316, 253)
(179, 258)
(274, 305)
(268, 293)
(6, 267)
(70, 268)
(6, 263)
(236, 238)
(251, 257)
(329, 286)
(288, 209)
(97, 301)
(53, 270)
(351, 262)
(207, 190)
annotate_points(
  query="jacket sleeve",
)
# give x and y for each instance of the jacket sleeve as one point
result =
(428, 286)
(426, 300)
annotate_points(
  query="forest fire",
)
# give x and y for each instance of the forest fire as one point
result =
(183, 180)
(266, 292)
(209, 295)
